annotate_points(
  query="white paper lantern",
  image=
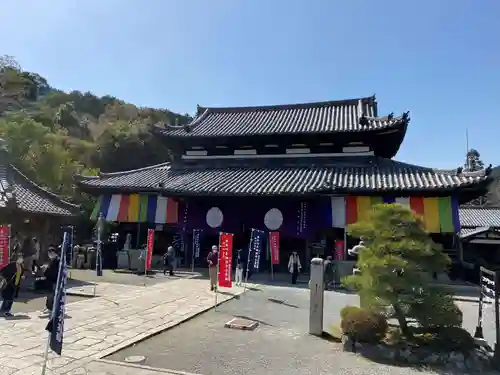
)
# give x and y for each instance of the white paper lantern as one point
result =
(214, 217)
(273, 219)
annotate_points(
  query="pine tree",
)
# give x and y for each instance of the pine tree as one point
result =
(395, 267)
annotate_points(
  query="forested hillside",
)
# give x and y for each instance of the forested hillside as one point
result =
(53, 135)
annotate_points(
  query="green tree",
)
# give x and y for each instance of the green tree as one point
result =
(395, 265)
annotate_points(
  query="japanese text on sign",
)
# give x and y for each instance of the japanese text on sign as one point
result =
(257, 236)
(225, 260)
(4, 245)
(196, 243)
(274, 244)
(150, 245)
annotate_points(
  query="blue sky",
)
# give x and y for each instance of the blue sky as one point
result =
(439, 59)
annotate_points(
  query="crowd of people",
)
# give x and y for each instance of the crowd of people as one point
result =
(26, 263)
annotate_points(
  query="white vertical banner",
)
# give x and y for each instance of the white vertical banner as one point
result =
(338, 212)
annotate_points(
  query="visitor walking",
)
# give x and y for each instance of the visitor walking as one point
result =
(11, 276)
(294, 266)
(36, 255)
(213, 260)
(239, 269)
(168, 261)
(51, 272)
(328, 272)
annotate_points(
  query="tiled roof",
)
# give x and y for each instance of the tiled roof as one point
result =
(321, 117)
(19, 192)
(282, 177)
(469, 233)
(479, 217)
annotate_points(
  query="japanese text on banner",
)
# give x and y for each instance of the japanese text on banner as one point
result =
(274, 244)
(256, 243)
(56, 322)
(225, 260)
(196, 243)
(4, 245)
(149, 250)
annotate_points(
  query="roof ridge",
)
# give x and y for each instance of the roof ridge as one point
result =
(121, 173)
(326, 103)
(43, 190)
(472, 207)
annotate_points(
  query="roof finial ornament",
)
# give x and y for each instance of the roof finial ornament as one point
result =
(390, 116)
(488, 170)
(199, 110)
(406, 116)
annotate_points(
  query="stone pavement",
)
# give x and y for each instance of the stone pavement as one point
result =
(97, 327)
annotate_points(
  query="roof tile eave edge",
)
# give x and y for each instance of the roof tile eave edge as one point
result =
(46, 191)
(397, 123)
(366, 99)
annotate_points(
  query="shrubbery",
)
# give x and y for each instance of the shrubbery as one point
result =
(448, 339)
(363, 325)
(437, 312)
(347, 310)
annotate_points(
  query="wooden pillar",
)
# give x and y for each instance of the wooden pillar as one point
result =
(43, 238)
(307, 264)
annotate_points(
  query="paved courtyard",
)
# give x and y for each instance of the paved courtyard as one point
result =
(280, 345)
(124, 314)
(97, 327)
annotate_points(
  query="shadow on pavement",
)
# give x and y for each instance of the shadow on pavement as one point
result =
(17, 317)
(254, 320)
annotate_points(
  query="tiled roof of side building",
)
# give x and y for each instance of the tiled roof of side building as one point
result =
(18, 191)
(474, 217)
(282, 177)
(321, 117)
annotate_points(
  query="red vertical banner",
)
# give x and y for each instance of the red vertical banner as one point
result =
(225, 260)
(149, 248)
(339, 250)
(4, 245)
(274, 244)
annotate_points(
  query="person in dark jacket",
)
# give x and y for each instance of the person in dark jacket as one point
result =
(168, 261)
(12, 275)
(51, 272)
(213, 260)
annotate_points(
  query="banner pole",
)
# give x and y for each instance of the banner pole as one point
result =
(248, 261)
(192, 251)
(146, 266)
(46, 356)
(9, 253)
(217, 283)
(270, 247)
(62, 263)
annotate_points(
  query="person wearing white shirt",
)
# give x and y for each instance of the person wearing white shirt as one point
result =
(294, 266)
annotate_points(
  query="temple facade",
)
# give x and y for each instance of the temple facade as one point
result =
(29, 209)
(305, 170)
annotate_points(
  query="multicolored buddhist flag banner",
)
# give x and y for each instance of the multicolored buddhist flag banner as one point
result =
(440, 214)
(136, 208)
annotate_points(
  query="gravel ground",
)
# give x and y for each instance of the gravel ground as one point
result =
(280, 345)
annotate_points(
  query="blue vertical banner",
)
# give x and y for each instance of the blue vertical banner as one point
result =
(69, 251)
(56, 323)
(98, 260)
(196, 243)
(255, 249)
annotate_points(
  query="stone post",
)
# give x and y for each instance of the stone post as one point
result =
(316, 288)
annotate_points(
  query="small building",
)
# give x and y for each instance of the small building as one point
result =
(305, 170)
(480, 237)
(29, 209)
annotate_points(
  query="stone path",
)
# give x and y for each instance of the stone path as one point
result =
(97, 327)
